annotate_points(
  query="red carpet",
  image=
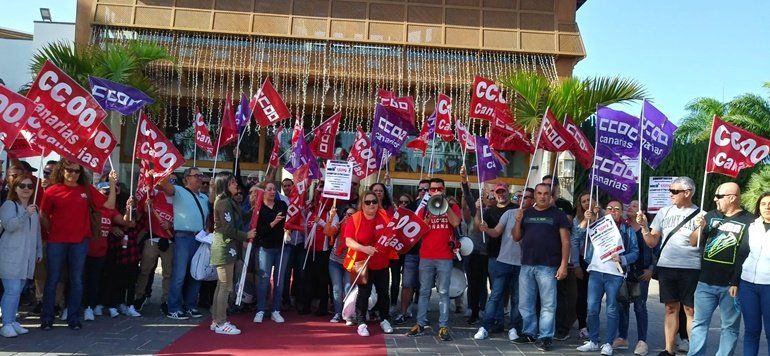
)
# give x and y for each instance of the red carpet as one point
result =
(299, 335)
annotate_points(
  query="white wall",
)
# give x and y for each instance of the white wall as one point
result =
(14, 62)
(50, 32)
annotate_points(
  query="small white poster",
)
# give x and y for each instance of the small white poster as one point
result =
(658, 195)
(605, 237)
(339, 175)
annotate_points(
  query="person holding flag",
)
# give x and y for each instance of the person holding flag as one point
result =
(272, 256)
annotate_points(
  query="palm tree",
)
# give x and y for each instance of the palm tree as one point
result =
(575, 97)
(758, 184)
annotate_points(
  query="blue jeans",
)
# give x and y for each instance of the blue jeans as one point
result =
(707, 298)
(534, 280)
(429, 268)
(600, 284)
(269, 259)
(640, 310)
(57, 254)
(11, 296)
(182, 282)
(755, 306)
(505, 278)
(340, 284)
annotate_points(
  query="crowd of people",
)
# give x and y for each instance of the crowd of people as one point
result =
(85, 250)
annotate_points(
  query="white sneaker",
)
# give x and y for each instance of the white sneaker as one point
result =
(683, 345)
(131, 311)
(88, 314)
(589, 346)
(641, 349)
(276, 317)
(63, 315)
(259, 316)
(113, 312)
(336, 318)
(386, 328)
(512, 334)
(227, 329)
(607, 349)
(99, 310)
(349, 323)
(481, 334)
(213, 326)
(123, 309)
(363, 330)
(19, 329)
(7, 331)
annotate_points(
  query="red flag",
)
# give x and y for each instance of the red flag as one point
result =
(143, 185)
(467, 141)
(258, 205)
(297, 132)
(66, 110)
(504, 135)
(362, 155)
(15, 110)
(276, 153)
(325, 137)
(153, 146)
(421, 141)
(202, 135)
(21, 147)
(268, 106)
(553, 136)
(582, 149)
(732, 149)
(97, 150)
(485, 98)
(403, 106)
(228, 129)
(402, 232)
(297, 199)
(444, 118)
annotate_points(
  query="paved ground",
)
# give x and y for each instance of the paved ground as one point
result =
(150, 333)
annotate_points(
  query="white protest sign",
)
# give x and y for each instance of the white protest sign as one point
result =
(339, 174)
(605, 237)
(658, 195)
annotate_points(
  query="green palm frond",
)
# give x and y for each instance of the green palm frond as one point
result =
(696, 125)
(145, 53)
(114, 64)
(63, 54)
(758, 183)
(530, 92)
(751, 112)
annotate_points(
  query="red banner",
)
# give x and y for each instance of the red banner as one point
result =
(421, 141)
(276, 153)
(485, 98)
(403, 106)
(228, 129)
(297, 132)
(467, 141)
(362, 155)
(97, 150)
(202, 134)
(143, 185)
(553, 136)
(325, 137)
(582, 149)
(153, 146)
(444, 118)
(504, 135)
(67, 111)
(15, 110)
(297, 198)
(26, 144)
(402, 232)
(732, 149)
(268, 106)
(258, 199)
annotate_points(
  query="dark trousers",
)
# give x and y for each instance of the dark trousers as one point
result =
(476, 272)
(293, 275)
(566, 300)
(378, 279)
(92, 279)
(581, 303)
(755, 307)
(316, 277)
(73, 255)
(121, 284)
(395, 279)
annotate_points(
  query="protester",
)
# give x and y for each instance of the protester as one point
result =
(272, 257)
(506, 269)
(720, 233)
(20, 247)
(228, 218)
(361, 237)
(40, 267)
(678, 266)
(436, 255)
(67, 216)
(543, 233)
(410, 261)
(191, 207)
(577, 258)
(121, 267)
(286, 185)
(316, 272)
(340, 278)
(606, 278)
(640, 272)
(405, 201)
(477, 262)
(751, 282)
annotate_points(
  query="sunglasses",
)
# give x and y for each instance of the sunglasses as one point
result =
(422, 189)
(46, 174)
(72, 171)
(27, 186)
(404, 202)
(199, 175)
(370, 202)
(677, 191)
(720, 196)
(614, 208)
(436, 189)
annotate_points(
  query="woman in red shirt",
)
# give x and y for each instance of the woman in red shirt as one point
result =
(361, 235)
(65, 215)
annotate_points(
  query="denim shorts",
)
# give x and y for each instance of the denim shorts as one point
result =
(411, 274)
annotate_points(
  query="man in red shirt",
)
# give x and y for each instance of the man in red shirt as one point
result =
(436, 254)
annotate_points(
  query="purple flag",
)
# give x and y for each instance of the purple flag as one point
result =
(658, 135)
(618, 130)
(612, 175)
(118, 97)
(301, 155)
(389, 131)
(488, 166)
(243, 113)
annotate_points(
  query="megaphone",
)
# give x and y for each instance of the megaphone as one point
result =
(438, 205)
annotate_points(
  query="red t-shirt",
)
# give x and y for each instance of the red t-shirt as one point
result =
(67, 210)
(367, 235)
(435, 243)
(163, 210)
(97, 246)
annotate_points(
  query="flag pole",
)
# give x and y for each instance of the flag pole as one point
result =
(366, 263)
(705, 177)
(422, 164)
(133, 163)
(216, 152)
(591, 191)
(195, 154)
(641, 161)
(311, 235)
(481, 193)
(40, 168)
(532, 156)
(432, 149)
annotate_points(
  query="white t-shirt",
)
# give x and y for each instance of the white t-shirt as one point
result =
(510, 251)
(678, 253)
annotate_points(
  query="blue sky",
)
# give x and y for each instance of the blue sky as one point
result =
(679, 50)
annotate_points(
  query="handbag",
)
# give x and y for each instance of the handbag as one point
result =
(629, 291)
(363, 269)
(656, 256)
